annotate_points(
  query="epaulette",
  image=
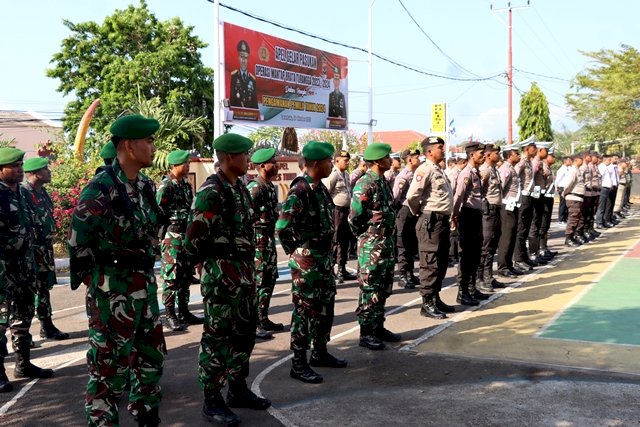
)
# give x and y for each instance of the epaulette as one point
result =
(234, 72)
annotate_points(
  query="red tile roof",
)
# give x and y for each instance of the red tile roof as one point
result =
(398, 139)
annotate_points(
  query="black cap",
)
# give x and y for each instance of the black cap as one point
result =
(407, 153)
(243, 47)
(342, 153)
(432, 140)
(473, 146)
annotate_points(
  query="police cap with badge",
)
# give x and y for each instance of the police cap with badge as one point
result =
(342, 153)
(408, 153)
(243, 47)
(472, 147)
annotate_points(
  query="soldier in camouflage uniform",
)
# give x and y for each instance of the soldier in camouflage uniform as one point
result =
(305, 230)
(39, 174)
(175, 197)
(373, 219)
(220, 235)
(264, 201)
(17, 269)
(113, 232)
(107, 154)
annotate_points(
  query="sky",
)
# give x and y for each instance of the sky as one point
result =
(455, 38)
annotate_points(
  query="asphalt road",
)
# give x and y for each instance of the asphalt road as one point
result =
(405, 384)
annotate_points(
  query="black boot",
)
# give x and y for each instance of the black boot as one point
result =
(301, 370)
(239, 396)
(320, 357)
(5, 385)
(48, 330)
(185, 316)
(172, 320)
(486, 285)
(25, 369)
(345, 274)
(215, 409)
(149, 419)
(383, 334)
(414, 279)
(268, 325)
(465, 298)
(568, 241)
(368, 340)
(406, 281)
(440, 305)
(263, 334)
(429, 308)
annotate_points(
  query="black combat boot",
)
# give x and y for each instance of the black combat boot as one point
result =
(149, 419)
(265, 323)
(368, 340)
(25, 369)
(239, 396)
(215, 409)
(429, 308)
(172, 320)
(486, 284)
(185, 316)
(5, 385)
(465, 298)
(320, 357)
(569, 241)
(440, 305)
(405, 281)
(344, 274)
(301, 370)
(48, 330)
(383, 334)
(414, 279)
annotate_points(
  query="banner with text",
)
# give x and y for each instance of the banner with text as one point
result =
(438, 114)
(282, 83)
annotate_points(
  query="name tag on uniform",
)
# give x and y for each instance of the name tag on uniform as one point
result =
(510, 204)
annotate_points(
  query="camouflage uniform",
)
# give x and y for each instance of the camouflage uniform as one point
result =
(42, 207)
(17, 281)
(372, 219)
(220, 235)
(174, 197)
(113, 232)
(305, 230)
(264, 202)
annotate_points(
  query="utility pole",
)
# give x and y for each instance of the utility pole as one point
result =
(509, 25)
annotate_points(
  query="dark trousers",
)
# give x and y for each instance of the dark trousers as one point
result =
(602, 205)
(507, 243)
(341, 236)
(575, 222)
(407, 239)
(491, 231)
(563, 212)
(547, 212)
(525, 215)
(608, 213)
(469, 247)
(627, 195)
(588, 210)
(536, 225)
(433, 245)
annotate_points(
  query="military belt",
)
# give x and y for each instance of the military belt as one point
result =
(382, 231)
(229, 251)
(317, 244)
(126, 260)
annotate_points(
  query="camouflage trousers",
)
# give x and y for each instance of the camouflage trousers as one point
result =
(376, 258)
(175, 270)
(126, 341)
(17, 294)
(314, 296)
(44, 283)
(266, 273)
(228, 334)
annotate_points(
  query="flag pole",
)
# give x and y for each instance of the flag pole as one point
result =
(446, 133)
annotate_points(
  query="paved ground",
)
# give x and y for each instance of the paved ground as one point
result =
(529, 356)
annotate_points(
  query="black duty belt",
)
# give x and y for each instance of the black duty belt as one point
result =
(436, 215)
(343, 208)
(382, 231)
(317, 244)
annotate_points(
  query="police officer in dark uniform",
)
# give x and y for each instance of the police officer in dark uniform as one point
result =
(467, 216)
(243, 83)
(337, 103)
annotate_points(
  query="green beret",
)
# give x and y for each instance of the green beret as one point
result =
(315, 150)
(10, 155)
(232, 143)
(263, 155)
(108, 151)
(134, 126)
(178, 157)
(377, 151)
(35, 163)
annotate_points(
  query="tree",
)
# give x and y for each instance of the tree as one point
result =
(605, 97)
(534, 115)
(333, 137)
(132, 53)
(266, 136)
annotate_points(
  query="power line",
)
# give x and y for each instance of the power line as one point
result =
(360, 49)
(454, 62)
(542, 75)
